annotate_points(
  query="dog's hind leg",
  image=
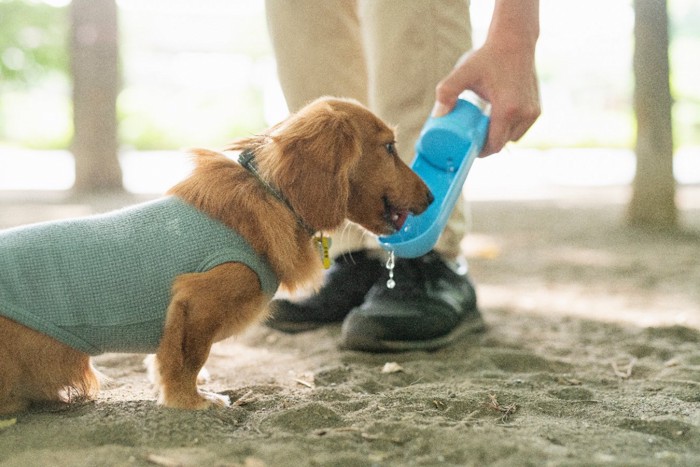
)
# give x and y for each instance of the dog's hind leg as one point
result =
(37, 368)
(11, 398)
(205, 308)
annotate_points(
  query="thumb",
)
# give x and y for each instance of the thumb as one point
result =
(440, 109)
(448, 90)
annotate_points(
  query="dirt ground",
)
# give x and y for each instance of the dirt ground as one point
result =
(591, 357)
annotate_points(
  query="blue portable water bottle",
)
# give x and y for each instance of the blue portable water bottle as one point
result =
(445, 151)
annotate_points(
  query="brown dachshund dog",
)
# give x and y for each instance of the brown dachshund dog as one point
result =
(333, 160)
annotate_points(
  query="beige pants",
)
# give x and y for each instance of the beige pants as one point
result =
(388, 54)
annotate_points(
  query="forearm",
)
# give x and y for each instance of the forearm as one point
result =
(515, 25)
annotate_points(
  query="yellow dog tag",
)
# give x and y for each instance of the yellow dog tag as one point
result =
(324, 244)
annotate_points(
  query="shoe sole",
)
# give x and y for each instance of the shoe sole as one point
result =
(295, 327)
(364, 343)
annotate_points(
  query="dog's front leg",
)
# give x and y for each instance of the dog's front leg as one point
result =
(205, 308)
(179, 358)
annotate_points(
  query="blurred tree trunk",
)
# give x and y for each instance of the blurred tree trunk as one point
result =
(653, 196)
(96, 81)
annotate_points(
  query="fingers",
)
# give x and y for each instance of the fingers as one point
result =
(445, 98)
(448, 90)
(509, 125)
(441, 109)
(496, 139)
(510, 118)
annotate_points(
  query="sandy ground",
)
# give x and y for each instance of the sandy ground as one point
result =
(591, 357)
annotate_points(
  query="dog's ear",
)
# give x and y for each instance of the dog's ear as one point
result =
(312, 155)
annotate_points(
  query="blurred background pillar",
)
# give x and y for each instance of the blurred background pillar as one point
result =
(654, 188)
(96, 81)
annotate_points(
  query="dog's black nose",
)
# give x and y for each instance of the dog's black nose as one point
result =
(430, 197)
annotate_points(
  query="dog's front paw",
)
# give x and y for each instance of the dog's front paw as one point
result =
(199, 401)
(215, 399)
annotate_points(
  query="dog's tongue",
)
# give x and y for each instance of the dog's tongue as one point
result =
(398, 218)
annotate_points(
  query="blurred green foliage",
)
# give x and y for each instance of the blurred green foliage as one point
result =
(34, 63)
(33, 39)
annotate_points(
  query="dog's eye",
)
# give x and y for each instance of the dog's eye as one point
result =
(391, 148)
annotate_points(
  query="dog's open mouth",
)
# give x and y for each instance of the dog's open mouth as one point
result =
(395, 216)
(398, 218)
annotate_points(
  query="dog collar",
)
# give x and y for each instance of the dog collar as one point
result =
(247, 160)
(323, 242)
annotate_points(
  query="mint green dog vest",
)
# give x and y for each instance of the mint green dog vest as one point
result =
(103, 283)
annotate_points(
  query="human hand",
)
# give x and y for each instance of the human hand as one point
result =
(502, 72)
(504, 78)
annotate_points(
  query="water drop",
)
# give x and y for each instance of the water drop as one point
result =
(390, 284)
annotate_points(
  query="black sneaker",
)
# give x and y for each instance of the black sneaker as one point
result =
(431, 305)
(345, 286)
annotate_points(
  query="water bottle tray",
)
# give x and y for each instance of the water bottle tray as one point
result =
(445, 152)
